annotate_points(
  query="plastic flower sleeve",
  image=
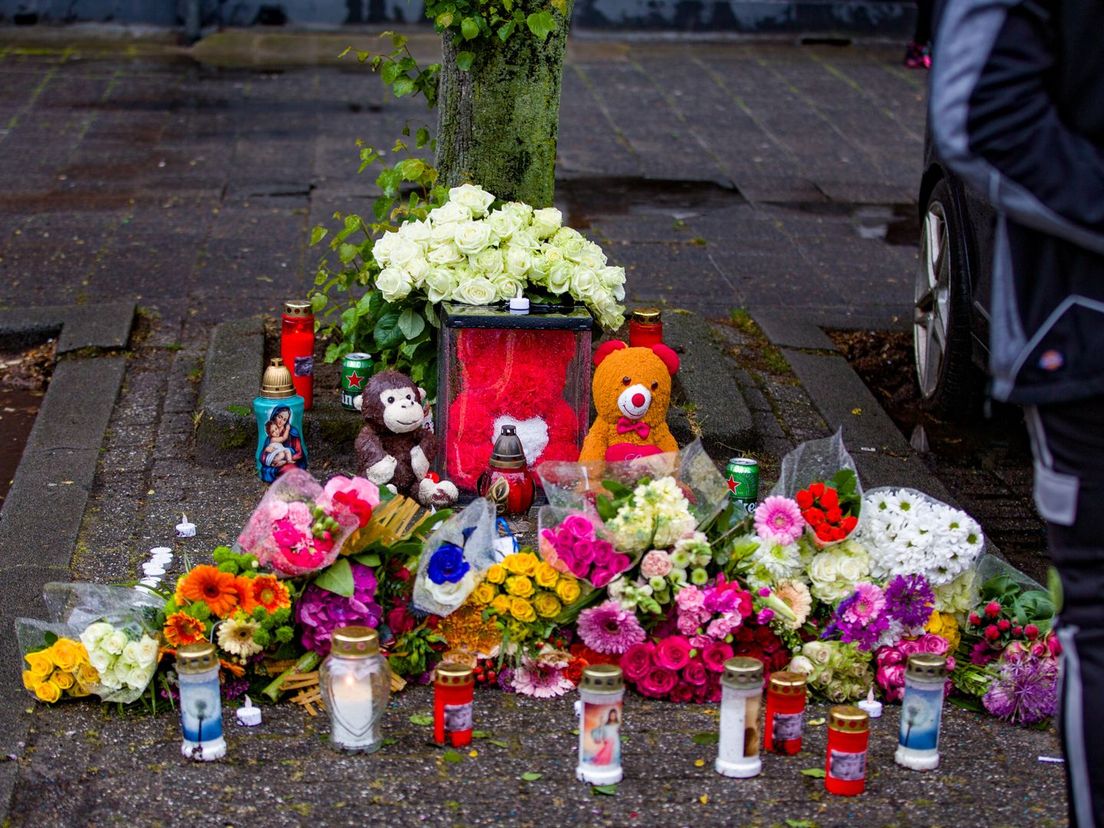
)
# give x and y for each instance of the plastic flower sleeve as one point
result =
(290, 532)
(102, 639)
(453, 557)
(1029, 600)
(577, 485)
(817, 461)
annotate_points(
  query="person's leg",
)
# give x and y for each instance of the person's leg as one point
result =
(918, 51)
(1068, 443)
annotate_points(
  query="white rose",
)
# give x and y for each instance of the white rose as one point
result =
(438, 284)
(519, 210)
(585, 284)
(592, 256)
(101, 660)
(419, 232)
(801, 664)
(394, 284)
(546, 221)
(611, 315)
(824, 567)
(487, 263)
(115, 642)
(444, 254)
(418, 269)
(569, 240)
(95, 633)
(852, 569)
(506, 286)
(504, 224)
(476, 199)
(451, 594)
(471, 237)
(450, 213)
(381, 250)
(476, 291)
(441, 234)
(404, 251)
(559, 277)
(612, 277)
(517, 261)
(525, 240)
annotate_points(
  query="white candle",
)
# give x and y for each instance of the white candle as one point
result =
(248, 714)
(352, 717)
(184, 529)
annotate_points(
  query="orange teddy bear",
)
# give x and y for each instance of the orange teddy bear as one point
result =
(632, 390)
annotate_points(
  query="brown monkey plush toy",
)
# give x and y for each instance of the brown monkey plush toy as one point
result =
(394, 447)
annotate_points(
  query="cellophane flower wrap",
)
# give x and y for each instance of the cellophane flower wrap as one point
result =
(820, 476)
(100, 640)
(297, 528)
(454, 557)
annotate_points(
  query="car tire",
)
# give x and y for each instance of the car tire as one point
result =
(949, 382)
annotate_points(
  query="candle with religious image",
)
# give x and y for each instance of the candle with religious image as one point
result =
(356, 685)
(921, 712)
(197, 670)
(600, 706)
(741, 698)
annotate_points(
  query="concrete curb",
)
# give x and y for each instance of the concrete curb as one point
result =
(231, 377)
(42, 514)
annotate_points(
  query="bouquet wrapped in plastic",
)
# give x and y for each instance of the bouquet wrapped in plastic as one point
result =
(100, 640)
(300, 527)
(820, 476)
(454, 555)
(575, 541)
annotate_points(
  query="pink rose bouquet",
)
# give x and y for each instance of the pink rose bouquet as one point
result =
(574, 546)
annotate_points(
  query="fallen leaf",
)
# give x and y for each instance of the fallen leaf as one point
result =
(856, 411)
(815, 722)
(480, 734)
(531, 776)
(816, 773)
(699, 763)
(604, 790)
(497, 743)
(473, 753)
(704, 799)
(452, 757)
(710, 738)
(421, 719)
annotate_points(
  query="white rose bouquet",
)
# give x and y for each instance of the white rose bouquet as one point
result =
(126, 660)
(468, 248)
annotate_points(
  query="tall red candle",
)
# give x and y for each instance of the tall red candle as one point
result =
(845, 764)
(297, 347)
(785, 716)
(453, 698)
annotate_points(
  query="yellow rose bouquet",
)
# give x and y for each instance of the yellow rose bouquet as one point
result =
(59, 670)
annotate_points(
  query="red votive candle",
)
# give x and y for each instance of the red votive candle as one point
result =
(845, 764)
(297, 348)
(453, 697)
(645, 328)
(785, 716)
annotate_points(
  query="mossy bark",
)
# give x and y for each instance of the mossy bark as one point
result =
(499, 121)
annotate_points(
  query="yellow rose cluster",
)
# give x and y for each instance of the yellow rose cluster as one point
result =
(524, 590)
(60, 669)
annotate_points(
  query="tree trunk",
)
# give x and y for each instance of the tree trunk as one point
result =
(498, 122)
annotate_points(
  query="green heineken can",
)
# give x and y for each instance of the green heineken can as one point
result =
(742, 477)
(355, 371)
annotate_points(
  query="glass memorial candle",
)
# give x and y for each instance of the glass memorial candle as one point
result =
(297, 347)
(645, 328)
(785, 717)
(197, 670)
(845, 763)
(921, 712)
(453, 699)
(600, 692)
(741, 698)
(356, 685)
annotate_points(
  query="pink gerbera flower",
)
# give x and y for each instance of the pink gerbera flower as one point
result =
(778, 520)
(868, 604)
(542, 678)
(609, 629)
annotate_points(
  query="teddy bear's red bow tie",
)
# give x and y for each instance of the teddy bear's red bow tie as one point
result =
(625, 425)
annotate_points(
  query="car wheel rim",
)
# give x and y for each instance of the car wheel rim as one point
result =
(931, 321)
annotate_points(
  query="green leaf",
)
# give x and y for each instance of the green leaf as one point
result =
(541, 24)
(387, 333)
(411, 169)
(370, 559)
(710, 738)
(469, 28)
(531, 776)
(317, 234)
(388, 741)
(422, 720)
(800, 823)
(347, 252)
(319, 302)
(403, 86)
(505, 30)
(480, 734)
(50, 638)
(497, 743)
(421, 137)
(816, 773)
(390, 73)
(604, 790)
(337, 578)
(453, 757)
(389, 180)
(411, 323)
(444, 20)
(464, 60)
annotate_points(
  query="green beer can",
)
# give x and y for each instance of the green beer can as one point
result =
(355, 371)
(742, 477)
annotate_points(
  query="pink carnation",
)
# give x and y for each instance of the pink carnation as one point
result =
(656, 564)
(690, 599)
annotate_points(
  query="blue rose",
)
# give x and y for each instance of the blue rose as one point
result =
(448, 564)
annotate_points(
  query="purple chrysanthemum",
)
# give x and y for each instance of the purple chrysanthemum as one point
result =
(1025, 691)
(609, 629)
(778, 520)
(319, 612)
(910, 600)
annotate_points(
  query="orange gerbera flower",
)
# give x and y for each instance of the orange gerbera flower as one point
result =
(181, 628)
(218, 590)
(270, 593)
(246, 602)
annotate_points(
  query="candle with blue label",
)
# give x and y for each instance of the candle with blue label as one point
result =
(921, 712)
(197, 670)
(279, 413)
